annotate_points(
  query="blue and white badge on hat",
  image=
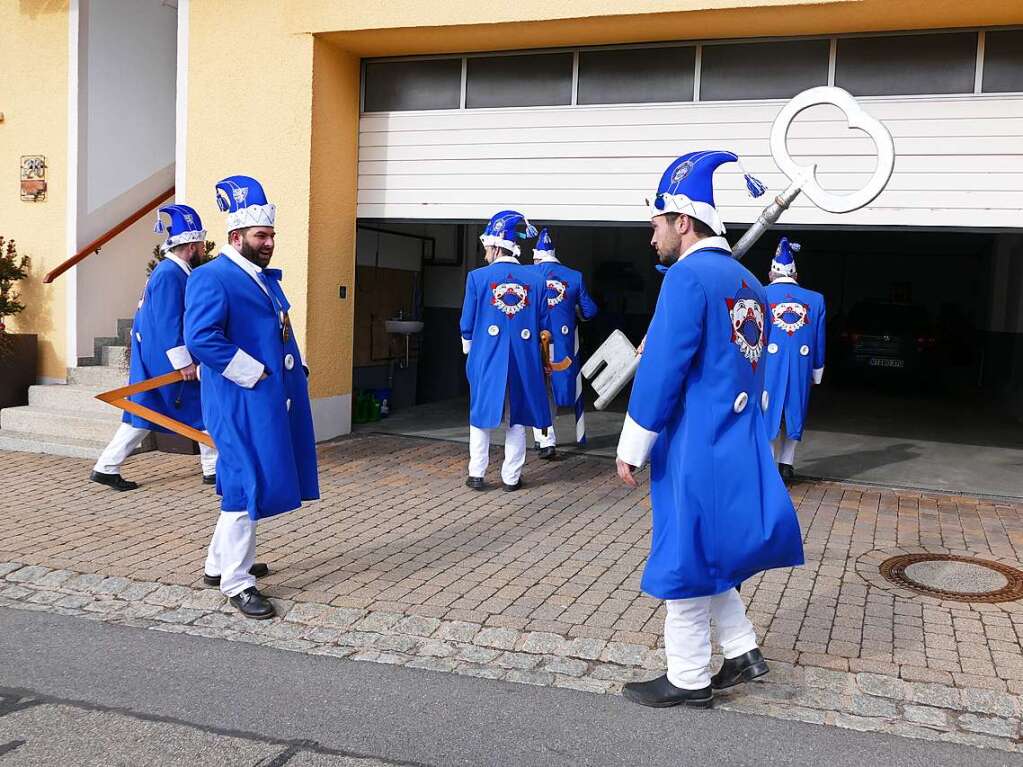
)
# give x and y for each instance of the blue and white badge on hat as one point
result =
(244, 201)
(784, 261)
(183, 225)
(687, 186)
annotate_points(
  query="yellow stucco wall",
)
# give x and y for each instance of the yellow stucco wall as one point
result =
(333, 161)
(33, 98)
(423, 26)
(249, 112)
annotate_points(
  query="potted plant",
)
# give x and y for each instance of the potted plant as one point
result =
(19, 353)
(168, 442)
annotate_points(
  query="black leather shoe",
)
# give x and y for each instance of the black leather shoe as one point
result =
(660, 693)
(115, 481)
(209, 479)
(475, 483)
(786, 471)
(548, 453)
(512, 488)
(252, 604)
(258, 570)
(745, 668)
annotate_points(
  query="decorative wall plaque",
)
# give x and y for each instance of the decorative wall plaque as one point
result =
(33, 178)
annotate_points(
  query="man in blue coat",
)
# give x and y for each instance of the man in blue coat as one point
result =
(158, 347)
(255, 398)
(567, 300)
(504, 312)
(720, 511)
(795, 354)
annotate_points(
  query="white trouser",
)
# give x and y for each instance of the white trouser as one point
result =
(551, 439)
(514, 452)
(233, 552)
(687, 636)
(128, 438)
(782, 448)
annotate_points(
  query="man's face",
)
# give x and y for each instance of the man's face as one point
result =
(256, 244)
(666, 238)
(491, 252)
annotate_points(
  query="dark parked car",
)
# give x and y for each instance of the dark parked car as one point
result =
(887, 340)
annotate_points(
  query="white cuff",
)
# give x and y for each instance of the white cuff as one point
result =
(818, 375)
(243, 369)
(179, 357)
(635, 444)
(466, 345)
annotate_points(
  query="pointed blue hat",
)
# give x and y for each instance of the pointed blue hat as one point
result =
(544, 248)
(183, 225)
(784, 261)
(505, 228)
(687, 186)
(244, 201)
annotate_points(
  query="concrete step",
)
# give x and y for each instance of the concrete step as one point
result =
(114, 356)
(70, 398)
(60, 423)
(101, 377)
(29, 442)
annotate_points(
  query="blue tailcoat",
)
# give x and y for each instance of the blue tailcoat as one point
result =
(156, 331)
(795, 350)
(720, 510)
(264, 433)
(565, 293)
(505, 309)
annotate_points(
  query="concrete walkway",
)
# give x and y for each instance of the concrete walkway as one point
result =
(877, 439)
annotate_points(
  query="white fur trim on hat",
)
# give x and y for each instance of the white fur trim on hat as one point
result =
(544, 255)
(254, 215)
(784, 269)
(197, 235)
(680, 203)
(499, 242)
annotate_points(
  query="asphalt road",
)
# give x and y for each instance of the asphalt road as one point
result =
(79, 692)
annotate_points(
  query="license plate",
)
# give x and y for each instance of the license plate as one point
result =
(886, 362)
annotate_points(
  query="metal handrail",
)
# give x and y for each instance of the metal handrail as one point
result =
(106, 237)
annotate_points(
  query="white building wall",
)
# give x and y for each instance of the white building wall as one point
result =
(959, 160)
(126, 122)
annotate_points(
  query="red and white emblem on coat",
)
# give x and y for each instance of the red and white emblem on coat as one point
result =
(510, 298)
(555, 292)
(746, 316)
(790, 316)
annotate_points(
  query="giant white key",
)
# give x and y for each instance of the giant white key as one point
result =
(620, 356)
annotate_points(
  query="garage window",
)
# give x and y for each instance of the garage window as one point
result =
(531, 80)
(636, 76)
(1003, 62)
(762, 70)
(405, 85)
(907, 64)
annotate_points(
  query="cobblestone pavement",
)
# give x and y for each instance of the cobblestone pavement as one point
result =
(402, 564)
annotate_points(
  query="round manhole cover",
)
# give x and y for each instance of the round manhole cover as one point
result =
(960, 579)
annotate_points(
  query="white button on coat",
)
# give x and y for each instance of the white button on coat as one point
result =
(740, 402)
(525, 334)
(804, 350)
(493, 330)
(289, 361)
(139, 337)
(287, 404)
(765, 400)
(772, 348)
(564, 330)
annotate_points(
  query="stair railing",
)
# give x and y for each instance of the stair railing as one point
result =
(103, 239)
